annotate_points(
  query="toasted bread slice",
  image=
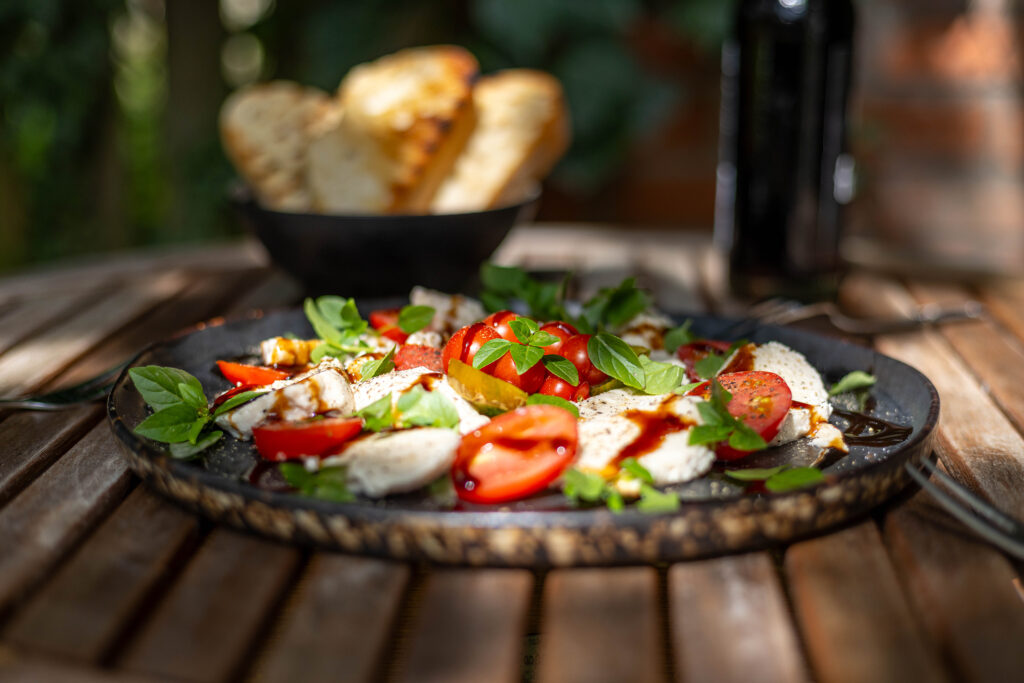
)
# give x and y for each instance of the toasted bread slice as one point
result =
(522, 131)
(348, 173)
(413, 109)
(265, 130)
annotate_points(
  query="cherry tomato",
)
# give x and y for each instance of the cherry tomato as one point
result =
(556, 386)
(514, 455)
(385, 321)
(529, 381)
(500, 322)
(760, 399)
(560, 329)
(699, 350)
(279, 441)
(575, 350)
(582, 392)
(239, 373)
(418, 356)
(466, 342)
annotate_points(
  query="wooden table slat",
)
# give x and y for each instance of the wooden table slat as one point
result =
(205, 625)
(854, 619)
(729, 619)
(337, 623)
(83, 611)
(601, 625)
(16, 667)
(27, 318)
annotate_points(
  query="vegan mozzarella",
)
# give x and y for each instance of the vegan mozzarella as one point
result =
(451, 311)
(394, 462)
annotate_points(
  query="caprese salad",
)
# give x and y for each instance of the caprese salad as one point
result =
(609, 403)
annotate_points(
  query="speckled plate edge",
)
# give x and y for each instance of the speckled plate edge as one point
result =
(527, 538)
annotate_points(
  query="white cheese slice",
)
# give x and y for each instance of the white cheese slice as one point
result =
(394, 462)
(646, 329)
(451, 311)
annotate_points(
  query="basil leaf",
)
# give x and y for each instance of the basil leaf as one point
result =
(490, 352)
(422, 408)
(616, 358)
(562, 367)
(754, 474)
(342, 313)
(710, 414)
(709, 366)
(795, 478)
(328, 484)
(235, 401)
(687, 388)
(197, 427)
(578, 485)
(633, 468)
(295, 474)
(858, 379)
(507, 280)
(188, 451)
(321, 326)
(612, 307)
(161, 387)
(376, 367)
(193, 397)
(415, 318)
(523, 328)
(542, 338)
(720, 396)
(169, 425)
(377, 415)
(705, 434)
(653, 500)
(743, 438)
(613, 500)
(493, 302)
(678, 336)
(660, 378)
(544, 399)
(525, 357)
(322, 350)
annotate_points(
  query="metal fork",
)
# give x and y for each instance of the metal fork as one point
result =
(785, 311)
(91, 389)
(994, 526)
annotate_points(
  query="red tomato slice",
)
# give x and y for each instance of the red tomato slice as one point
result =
(760, 399)
(514, 455)
(232, 392)
(466, 342)
(280, 441)
(699, 350)
(418, 356)
(385, 321)
(239, 373)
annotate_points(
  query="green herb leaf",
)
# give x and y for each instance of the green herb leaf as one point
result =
(160, 387)
(376, 367)
(493, 302)
(578, 485)
(743, 438)
(858, 379)
(490, 352)
(678, 336)
(235, 401)
(503, 284)
(415, 318)
(616, 358)
(327, 484)
(377, 415)
(660, 378)
(188, 451)
(795, 478)
(613, 500)
(336, 321)
(612, 307)
(525, 357)
(523, 328)
(544, 399)
(197, 427)
(652, 500)
(686, 388)
(709, 366)
(507, 280)
(633, 468)
(172, 424)
(562, 367)
(707, 434)
(193, 396)
(754, 474)
(541, 338)
(422, 408)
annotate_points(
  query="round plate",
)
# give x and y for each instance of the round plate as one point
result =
(715, 517)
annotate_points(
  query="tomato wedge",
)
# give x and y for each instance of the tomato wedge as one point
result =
(515, 454)
(418, 356)
(280, 441)
(256, 375)
(760, 399)
(385, 321)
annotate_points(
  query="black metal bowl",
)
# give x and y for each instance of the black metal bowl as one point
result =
(381, 255)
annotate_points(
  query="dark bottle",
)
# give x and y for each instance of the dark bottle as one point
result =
(783, 173)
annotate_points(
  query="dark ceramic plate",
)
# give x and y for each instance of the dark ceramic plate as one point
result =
(716, 516)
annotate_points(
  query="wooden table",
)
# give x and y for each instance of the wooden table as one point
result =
(100, 579)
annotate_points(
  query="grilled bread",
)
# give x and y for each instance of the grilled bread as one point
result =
(522, 131)
(265, 131)
(407, 116)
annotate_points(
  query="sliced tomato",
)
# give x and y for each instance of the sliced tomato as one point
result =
(256, 375)
(466, 342)
(280, 441)
(385, 321)
(699, 350)
(418, 356)
(514, 455)
(760, 399)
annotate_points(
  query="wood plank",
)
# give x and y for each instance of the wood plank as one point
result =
(271, 290)
(729, 618)
(46, 519)
(17, 667)
(30, 364)
(203, 628)
(853, 616)
(469, 627)
(601, 625)
(975, 440)
(338, 619)
(26, 318)
(34, 440)
(82, 612)
(1004, 300)
(962, 588)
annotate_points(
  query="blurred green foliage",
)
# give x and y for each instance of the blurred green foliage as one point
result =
(84, 108)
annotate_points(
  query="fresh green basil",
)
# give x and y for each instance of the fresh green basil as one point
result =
(562, 367)
(709, 366)
(544, 399)
(686, 388)
(415, 318)
(654, 501)
(678, 336)
(525, 357)
(578, 485)
(337, 322)
(421, 408)
(523, 328)
(793, 479)
(172, 424)
(616, 358)
(719, 424)
(329, 483)
(377, 367)
(235, 401)
(754, 474)
(614, 306)
(633, 468)
(542, 338)
(161, 387)
(187, 451)
(660, 378)
(743, 438)
(490, 352)
(377, 415)
(858, 379)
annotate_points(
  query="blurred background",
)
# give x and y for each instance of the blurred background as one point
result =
(108, 112)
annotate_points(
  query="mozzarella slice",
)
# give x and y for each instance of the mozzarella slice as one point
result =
(451, 311)
(394, 462)
(397, 383)
(646, 329)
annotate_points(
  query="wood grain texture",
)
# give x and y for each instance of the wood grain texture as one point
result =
(729, 619)
(203, 628)
(83, 611)
(962, 588)
(853, 616)
(337, 622)
(469, 627)
(51, 515)
(17, 667)
(601, 625)
(1004, 300)
(28, 317)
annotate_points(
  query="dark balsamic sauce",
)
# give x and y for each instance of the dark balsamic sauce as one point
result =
(871, 432)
